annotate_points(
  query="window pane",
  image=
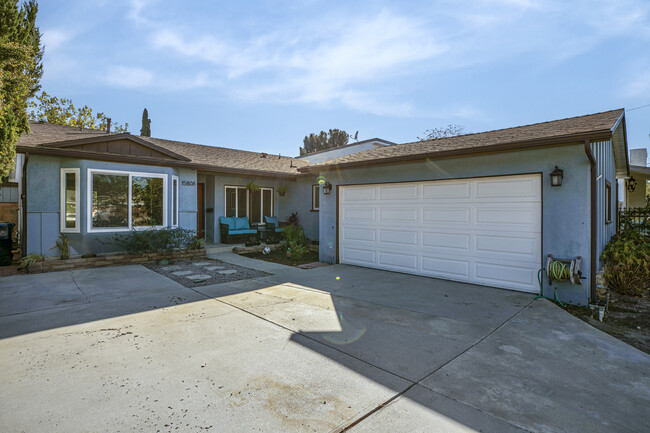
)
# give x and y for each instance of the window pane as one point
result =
(231, 195)
(70, 201)
(268, 200)
(174, 202)
(110, 206)
(316, 198)
(241, 202)
(147, 201)
(256, 206)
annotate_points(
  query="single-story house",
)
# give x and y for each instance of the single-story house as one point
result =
(637, 187)
(477, 208)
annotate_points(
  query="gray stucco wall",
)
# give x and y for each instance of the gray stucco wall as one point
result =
(43, 196)
(605, 172)
(297, 199)
(565, 211)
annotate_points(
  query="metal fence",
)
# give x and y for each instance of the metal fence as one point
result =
(637, 218)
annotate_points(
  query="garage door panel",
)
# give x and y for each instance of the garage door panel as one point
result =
(359, 234)
(446, 240)
(398, 214)
(437, 266)
(407, 238)
(483, 231)
(359, 214)
(507, 245)
(351, 194)
(402, 192)
(398, 261)
(359, 256)
(446, 215)
(509, 190)
(445, 190)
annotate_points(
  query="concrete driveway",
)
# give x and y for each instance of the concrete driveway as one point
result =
(327, 349)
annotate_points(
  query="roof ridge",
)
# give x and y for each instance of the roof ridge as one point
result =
(514, 127)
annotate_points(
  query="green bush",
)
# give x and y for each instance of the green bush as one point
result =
(154, 241)
(627, 262)
(296, 242)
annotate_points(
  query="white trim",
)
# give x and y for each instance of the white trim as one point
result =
(175, 190)
(130, 174)
(62, 202)
(313, 196)
(248, 204)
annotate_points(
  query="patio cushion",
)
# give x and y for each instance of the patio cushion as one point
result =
(242, 224)
(242, 232)
(228, 220)
(272, 220)
(279, 229)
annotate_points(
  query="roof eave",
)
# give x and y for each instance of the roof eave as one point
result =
(503, 147)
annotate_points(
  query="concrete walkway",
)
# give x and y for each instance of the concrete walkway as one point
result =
(328, 349)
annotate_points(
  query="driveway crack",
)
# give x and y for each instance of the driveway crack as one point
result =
(77, 284)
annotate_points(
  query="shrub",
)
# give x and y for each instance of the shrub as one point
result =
(296, 243)
(27, 261)
(63, 244)
(154, 241)
(293, 219)
(627, 262)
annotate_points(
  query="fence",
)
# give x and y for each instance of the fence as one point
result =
(637, 218)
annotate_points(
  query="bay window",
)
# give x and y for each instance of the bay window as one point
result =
(121, 201)
(69, 200)
(255, 205)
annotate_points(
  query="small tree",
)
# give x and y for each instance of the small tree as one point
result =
(145, 131)
(437, 133)
(324, 140)
(21, 69)
(61, 111)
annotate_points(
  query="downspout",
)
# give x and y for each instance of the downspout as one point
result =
(23, 199)
(594, 218)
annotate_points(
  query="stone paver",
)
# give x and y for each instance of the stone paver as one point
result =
(182, 273)
(227, 272)
(213, 268)
(171, 268)
(198, 278)
(203, 263)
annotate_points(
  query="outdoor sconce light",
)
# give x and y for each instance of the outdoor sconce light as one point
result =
(630, 184)
(556, 177)
(327, 188)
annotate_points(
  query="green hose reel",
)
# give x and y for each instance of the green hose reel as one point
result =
(558, 269)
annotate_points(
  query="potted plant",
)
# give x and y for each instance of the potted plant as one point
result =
(282, 190)
(252, 186)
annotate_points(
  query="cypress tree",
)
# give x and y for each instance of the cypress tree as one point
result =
(145, 131)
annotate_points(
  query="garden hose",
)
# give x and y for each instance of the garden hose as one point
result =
(559, 271)
(555, 297)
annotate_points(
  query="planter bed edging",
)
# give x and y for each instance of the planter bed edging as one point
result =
(112, 260)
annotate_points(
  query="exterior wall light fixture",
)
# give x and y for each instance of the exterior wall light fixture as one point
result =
(327, 188)
(556, 177)
(630, 184)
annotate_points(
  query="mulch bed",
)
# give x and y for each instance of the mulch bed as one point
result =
(278, 256)
(627, 318)
(180, 270)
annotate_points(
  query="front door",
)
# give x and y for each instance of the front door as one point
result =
(200, 200)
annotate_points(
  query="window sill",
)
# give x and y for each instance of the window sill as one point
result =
(314, 210)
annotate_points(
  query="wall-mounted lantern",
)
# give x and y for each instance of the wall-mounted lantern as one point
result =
(556, 177)
(327, 188)
(630, 184)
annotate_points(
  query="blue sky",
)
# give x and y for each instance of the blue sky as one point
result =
(260, 75)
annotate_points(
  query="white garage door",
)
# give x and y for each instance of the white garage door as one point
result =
(481, 230)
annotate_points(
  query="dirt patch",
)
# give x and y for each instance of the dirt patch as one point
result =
(627, 318)
(278, 256)
(211, 272)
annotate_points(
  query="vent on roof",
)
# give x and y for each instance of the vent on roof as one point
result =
(263, 155)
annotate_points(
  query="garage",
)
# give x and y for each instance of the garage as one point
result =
(485, 230)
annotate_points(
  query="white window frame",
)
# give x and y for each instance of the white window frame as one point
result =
(248, 201)
(176, 190)
(77, 199)
(131, 175)
(313, 196)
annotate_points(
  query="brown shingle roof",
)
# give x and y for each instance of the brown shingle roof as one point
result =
(201, 156)
(483, 141)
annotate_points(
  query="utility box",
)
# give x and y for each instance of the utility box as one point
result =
(6, 243)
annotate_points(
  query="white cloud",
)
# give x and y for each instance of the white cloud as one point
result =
(129, 77)
(53, 39)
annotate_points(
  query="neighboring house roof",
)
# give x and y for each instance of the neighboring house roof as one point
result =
(639, 169)
(60, 140)
(574, 129)
(378, 142)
